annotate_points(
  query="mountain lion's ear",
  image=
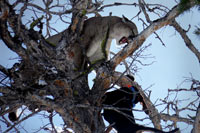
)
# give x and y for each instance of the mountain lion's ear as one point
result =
(130, 77)
(125, 19)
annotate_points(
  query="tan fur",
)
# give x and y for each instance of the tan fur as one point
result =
(94, 32)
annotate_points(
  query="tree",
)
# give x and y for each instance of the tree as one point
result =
(45, 79)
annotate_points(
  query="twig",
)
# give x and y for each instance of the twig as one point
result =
(186, 39)
(28, 116)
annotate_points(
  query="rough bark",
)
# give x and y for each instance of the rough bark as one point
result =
(196, 128)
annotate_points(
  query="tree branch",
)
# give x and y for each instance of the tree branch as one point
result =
(186, 39)
(175, 118)
(4, 70)
(10, 42)
(116, 4)
(36, 45)
(142, 6)
(196, 128)
(138, 41)
(124, 81)
(23, 119)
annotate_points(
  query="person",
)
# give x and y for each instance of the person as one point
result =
(121, 116)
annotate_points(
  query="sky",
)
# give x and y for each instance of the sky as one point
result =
(173, 63)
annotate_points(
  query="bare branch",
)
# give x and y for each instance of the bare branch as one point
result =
(142, 3)
(23, 119)
(116, 4)
(196, 128)
(138, 41)
(51, 121)
(154, 115)
(186, 39)
(11, 42)
(175, 118)
(4, 70)
(48, 11)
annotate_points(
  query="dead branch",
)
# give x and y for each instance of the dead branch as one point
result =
(23, 119)
(196, 128)
(138, 41)
(186, 39)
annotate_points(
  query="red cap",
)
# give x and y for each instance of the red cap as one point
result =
(129, 86)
